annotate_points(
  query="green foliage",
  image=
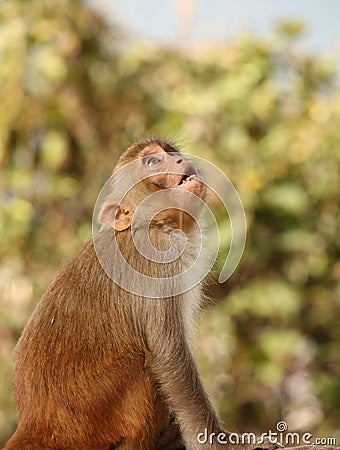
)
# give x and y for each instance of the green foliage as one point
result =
(74, 92)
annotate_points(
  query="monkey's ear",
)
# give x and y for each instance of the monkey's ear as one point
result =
(118, 217)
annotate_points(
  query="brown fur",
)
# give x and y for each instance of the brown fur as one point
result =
(100, 368)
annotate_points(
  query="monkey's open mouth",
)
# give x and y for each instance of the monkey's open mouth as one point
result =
(186, 178)
(189, 181)
(189, 175)
(192, 183)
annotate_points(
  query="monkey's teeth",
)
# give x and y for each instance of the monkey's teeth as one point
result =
(187, 178)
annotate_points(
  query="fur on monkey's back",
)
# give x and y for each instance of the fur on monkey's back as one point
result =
(81, 337)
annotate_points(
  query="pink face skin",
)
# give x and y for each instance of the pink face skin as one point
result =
(177, 172)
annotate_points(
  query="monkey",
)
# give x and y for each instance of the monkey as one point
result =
(102, 365)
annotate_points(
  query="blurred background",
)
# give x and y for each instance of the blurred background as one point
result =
(251, 86)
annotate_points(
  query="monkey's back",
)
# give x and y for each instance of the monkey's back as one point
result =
(69, 361)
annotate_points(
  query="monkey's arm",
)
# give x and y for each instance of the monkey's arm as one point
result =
(174, 369)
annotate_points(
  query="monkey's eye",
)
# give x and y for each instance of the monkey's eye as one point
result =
(153, 160)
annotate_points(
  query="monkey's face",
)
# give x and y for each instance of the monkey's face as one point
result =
(159, 187)
(169, 170)
(178, 184)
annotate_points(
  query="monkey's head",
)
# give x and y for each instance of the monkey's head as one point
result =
(153, 183)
